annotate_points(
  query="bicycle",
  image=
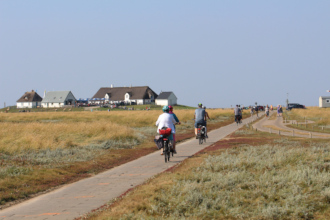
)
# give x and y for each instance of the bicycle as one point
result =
(201, 134)
(167, 145)
(238, 119)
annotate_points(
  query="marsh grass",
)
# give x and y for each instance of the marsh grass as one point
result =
(43, 150)
(321, 117)
(287, 178)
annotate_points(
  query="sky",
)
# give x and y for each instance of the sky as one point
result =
(219, 53)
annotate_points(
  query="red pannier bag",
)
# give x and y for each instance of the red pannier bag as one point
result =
(165, 132)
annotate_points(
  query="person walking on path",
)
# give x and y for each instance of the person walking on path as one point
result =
(257, 110)
(251, 111)
(278, 111)
(267, 111)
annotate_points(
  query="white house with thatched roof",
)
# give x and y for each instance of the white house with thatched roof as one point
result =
(139, 95)
(29, 100)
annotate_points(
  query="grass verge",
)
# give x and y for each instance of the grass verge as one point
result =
(249, 175)
(320, 116)
(40, 151)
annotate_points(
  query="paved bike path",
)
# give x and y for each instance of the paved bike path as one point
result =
(278, 125)
(74, 200)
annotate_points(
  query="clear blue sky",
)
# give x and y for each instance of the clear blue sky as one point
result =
(219, 53)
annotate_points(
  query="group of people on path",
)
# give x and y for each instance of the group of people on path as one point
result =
(168, 119)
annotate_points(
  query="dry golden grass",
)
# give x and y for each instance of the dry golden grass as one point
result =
(287, 178)
(319, 115)
(19, 132)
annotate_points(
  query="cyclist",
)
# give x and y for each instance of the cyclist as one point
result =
(240, 113)
(166, 120)
(199, 118)
(177, 122)
(237, 112)
(206, 116)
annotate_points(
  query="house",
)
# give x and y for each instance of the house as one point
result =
(29, 100)
(58, 99)
(324, 101)
(166, 98)
(138, 95)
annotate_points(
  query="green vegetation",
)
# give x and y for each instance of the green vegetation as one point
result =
(248, 176)
(41, 150)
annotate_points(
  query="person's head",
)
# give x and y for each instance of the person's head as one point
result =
(204, 107)
(200, 105)
(239, 105)
(166, 109)
(171, 108)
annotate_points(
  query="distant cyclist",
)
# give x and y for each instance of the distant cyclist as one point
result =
(166, 120)
(237, 112)
(177, 122)
(199, 118)
(206, 117)
(240, 113)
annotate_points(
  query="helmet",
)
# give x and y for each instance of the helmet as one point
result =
(200, 104)
(170, 107)
(204, 107)
(166, 109)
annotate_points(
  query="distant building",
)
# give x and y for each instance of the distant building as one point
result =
(138, 95)
(166, 98)
(58, 99)
(324, 101)
(29, 100)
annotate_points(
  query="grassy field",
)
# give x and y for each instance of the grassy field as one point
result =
(321, 117)
(249, 175)
(13, 109)
(41, 150)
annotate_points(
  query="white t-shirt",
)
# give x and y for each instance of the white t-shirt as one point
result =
(166, 120)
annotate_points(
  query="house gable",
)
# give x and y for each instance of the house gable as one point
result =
(30, 97)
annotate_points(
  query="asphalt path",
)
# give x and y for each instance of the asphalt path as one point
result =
(277, 126)
(76, 199)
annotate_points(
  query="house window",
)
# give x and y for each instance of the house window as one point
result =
(328, 100)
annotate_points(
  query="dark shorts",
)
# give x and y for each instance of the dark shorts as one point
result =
(200, 123)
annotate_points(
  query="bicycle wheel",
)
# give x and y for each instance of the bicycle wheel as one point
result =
(200, 140)
(165, 150)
